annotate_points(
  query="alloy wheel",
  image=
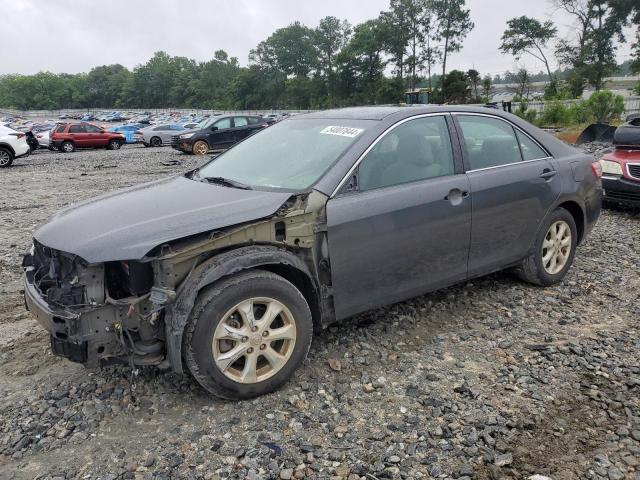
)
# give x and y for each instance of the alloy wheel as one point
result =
(5, 158)
(200, 148)
(556, 247)
(254, 340)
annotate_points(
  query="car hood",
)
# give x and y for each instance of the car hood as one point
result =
(127, 224)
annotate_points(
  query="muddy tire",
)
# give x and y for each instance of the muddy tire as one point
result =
(155, 142)
(6, 157)
(247, 334)
(114, 145)
(200, 148)
(553, 251)
(67, 147)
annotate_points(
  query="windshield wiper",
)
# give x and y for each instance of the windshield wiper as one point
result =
(227, 182)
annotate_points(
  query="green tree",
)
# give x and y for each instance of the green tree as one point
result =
(525, 35)
(289, 50)
(457, 87)
(330, 37)
(454, 24)
(474, 79)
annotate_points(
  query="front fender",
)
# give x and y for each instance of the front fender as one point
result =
(207, 273)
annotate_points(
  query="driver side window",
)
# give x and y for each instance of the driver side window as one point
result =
(223, 124)
(416, 150)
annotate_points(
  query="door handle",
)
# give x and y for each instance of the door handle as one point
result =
(455, 196)
(547, 174)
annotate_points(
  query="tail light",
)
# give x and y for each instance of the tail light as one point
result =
(596, 167)
(138, 132)
(18, 134)
(39, 135)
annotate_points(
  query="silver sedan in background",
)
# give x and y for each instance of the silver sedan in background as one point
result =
(157, 135)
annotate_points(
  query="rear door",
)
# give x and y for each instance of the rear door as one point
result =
(78, 134)
(513, 185)
(241, 129)
(402, 226)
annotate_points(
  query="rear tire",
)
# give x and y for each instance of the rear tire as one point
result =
(228, 357)
(67, 147)
(200, 148)
(156, 142)
(6, 157)
(553, 251)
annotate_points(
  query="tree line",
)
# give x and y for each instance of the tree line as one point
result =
(335, 64)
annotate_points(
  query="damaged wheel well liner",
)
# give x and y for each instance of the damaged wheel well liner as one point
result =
(273, 259)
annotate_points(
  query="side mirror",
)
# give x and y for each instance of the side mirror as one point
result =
(213, 129)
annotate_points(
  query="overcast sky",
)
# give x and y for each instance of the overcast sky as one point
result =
(74, 36)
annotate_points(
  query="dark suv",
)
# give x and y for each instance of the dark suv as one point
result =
(69, 136)
(218, 133)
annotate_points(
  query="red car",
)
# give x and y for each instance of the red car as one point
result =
(621, 168)
(69, 136)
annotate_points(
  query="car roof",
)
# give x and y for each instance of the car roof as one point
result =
(383, 111)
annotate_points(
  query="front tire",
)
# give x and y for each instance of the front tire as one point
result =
(156, 142)
(114, 145)
(247, 334)
(200, 148)
(553, 252)
(6, 157)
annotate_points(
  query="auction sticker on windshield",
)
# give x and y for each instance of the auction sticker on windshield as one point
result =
(342, 131)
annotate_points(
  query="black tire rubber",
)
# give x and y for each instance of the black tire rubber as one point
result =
(11, 157)
(531, 269)
(114, 145)
(155, 142)
(62, 149)
(218, 298)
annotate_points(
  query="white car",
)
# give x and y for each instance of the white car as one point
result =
(13, 144)
(44, 138)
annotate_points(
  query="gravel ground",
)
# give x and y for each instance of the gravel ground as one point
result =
(488, 379)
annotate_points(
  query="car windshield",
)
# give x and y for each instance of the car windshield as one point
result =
(291, 155)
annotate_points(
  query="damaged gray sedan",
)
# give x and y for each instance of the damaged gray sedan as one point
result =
(228, 270)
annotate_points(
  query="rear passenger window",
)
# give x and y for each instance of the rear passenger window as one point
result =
(240, 122)
(76, 129)
(253, 120)
(530, 150)
(490, 142)
(416, 150)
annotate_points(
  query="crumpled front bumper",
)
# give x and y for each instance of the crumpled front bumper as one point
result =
(85, 336)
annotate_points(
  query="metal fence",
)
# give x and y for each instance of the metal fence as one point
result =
(631, 105)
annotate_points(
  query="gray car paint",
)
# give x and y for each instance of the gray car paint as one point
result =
(127, 224)
(373, 242)
(382, 250)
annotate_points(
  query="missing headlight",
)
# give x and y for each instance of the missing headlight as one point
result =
(128, 278)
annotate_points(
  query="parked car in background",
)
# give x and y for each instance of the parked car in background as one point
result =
(13, 144)
(621, 168)
(157, 135)
(128, 131)
(44, 139)
(67, 137)
(228, 270)
(218, 133)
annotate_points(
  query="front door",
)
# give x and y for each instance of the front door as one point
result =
(404, 227)
(513, 186)
(96, 137)
(221, 136)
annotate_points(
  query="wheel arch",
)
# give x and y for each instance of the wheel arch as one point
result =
(578, 214)
(8, 147)
(270, 258)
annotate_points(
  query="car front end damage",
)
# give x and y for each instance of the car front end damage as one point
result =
(134, 311)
